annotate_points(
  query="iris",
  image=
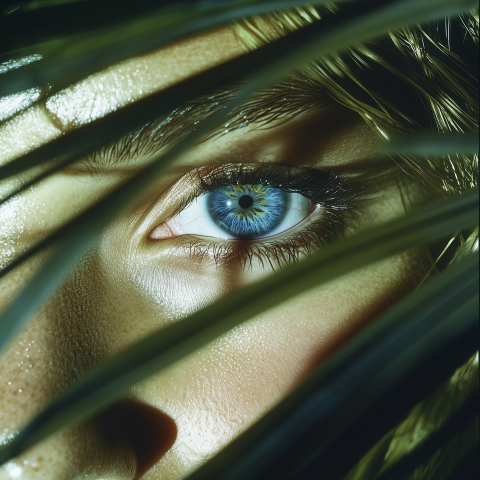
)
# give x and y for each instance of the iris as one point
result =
(247, 211)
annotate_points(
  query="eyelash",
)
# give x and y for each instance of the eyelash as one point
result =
(322, 188)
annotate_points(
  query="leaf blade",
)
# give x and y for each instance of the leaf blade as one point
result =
(108, 381)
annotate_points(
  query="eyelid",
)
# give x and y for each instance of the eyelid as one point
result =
(333, 193)
(316, 184)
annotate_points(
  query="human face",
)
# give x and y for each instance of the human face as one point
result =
(151, 267)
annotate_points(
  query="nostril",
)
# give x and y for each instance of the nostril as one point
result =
(149, 432)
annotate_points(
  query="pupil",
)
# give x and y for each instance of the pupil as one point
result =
(245, 201)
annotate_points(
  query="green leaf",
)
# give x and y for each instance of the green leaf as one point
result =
(345, 399)
(107, 382)
(432, 144)
(71, 58)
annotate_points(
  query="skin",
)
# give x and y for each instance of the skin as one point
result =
(129, 285)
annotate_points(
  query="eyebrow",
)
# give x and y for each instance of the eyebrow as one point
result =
(283, 100)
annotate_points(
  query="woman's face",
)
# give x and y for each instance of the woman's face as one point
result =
(180, 247)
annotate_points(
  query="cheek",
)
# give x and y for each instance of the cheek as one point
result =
(219, 391)
(146, 288)
(59, 344)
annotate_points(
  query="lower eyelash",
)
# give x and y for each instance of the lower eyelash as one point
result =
(272, 254)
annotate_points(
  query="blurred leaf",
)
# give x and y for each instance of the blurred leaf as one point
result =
(39, 22)
(363, 391)
(72, 58)
(79, 234)
(432, 144)
(107, 382)
(69, 60)
(460, 420)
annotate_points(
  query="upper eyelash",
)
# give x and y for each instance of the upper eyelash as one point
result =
(320, 187)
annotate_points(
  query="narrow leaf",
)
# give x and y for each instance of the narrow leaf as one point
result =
(106, 383)
(314, 424)
(432, 144)
(70, 59)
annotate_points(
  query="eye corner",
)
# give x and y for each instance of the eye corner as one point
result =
(161, 231)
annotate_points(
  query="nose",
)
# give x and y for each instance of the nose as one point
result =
(123, 442)
(148, 432)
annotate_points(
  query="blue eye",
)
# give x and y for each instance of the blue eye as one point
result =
(247, 211)
(238, 212)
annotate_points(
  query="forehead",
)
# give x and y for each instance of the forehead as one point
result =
(114, 87)
(127, 81)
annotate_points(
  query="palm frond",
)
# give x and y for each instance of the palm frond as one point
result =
(362, 391)
(446, 433)
(69, 59)
(107, 382)
(436, 326)
(433, 144)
